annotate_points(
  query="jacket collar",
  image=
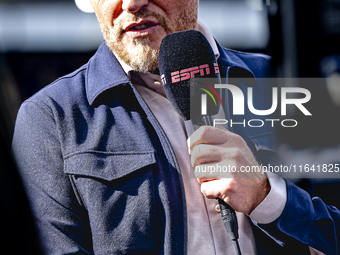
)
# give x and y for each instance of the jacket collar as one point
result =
(104, 71)
(230, 59)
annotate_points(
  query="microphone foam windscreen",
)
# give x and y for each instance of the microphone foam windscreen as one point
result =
(185, 58)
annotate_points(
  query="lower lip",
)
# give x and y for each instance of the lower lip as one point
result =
(142, 32)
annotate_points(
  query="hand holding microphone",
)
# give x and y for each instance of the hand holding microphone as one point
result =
(242, 191)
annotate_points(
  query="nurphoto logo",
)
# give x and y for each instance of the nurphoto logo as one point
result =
(300, 97)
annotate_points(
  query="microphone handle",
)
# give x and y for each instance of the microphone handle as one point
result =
(230, 222)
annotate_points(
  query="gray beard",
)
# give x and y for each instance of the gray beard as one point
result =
(146, 58)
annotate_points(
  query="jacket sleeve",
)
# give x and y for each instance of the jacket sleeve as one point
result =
(307, 220)
(60, 220)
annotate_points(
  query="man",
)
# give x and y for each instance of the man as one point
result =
(106, 164)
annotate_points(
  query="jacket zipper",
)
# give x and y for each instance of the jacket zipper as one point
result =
(148, 111)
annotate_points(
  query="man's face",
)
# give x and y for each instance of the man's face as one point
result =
(134, 29)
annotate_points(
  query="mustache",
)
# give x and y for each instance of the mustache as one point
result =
(138, 16)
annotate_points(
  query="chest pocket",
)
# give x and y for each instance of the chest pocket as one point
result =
(118, 191)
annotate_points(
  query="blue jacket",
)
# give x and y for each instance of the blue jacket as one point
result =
(102, 177)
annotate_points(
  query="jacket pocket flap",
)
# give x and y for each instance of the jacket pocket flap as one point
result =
(107, 165)
(263, 142)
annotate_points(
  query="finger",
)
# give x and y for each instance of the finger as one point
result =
(216, 188)
(208, 135)
(211, 154)
(202, 180)
(204, 153)
(209, 172)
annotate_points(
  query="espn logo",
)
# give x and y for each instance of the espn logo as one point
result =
(188, 73)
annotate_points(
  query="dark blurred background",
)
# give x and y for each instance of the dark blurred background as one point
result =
(41, 40)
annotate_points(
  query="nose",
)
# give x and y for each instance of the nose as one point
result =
(134, 5)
